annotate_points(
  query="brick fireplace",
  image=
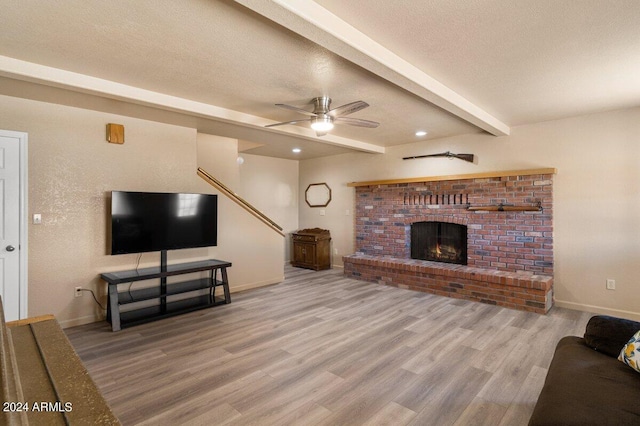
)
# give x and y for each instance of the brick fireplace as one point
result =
(509, 254)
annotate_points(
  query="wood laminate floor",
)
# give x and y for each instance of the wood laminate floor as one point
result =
(321, 349)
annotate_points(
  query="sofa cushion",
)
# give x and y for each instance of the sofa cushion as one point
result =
(630, 353)
(609, 334)
(585, 387)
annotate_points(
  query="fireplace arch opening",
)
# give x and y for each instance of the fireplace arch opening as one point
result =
(439, 242)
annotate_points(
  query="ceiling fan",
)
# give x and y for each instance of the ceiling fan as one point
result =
(323, 117)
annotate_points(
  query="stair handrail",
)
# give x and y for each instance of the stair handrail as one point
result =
(239, 200)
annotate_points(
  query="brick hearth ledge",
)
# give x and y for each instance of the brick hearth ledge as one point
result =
(515, 290)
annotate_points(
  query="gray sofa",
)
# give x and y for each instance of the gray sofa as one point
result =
(586, 384)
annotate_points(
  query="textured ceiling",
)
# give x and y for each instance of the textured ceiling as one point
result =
(517, 61)
(523, 61)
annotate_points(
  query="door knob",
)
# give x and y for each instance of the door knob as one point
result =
(10, 248)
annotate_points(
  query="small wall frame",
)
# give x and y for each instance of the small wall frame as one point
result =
(318, 195)
(115, 133)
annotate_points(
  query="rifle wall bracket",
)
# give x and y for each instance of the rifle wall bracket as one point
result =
(505, 208)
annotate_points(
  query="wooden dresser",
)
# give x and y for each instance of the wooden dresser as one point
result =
(312, 249)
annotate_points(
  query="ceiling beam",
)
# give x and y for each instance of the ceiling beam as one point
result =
(317, 24)
(55, 77)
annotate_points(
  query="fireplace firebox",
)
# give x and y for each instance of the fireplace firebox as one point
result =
(439, 242)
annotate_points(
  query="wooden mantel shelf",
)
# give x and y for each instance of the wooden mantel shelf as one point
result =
(484, 175)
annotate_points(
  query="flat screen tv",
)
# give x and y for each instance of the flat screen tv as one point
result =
(155, 221)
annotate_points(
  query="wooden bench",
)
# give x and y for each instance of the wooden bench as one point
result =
(43, 381)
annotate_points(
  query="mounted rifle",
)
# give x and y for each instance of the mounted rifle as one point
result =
(449, 155)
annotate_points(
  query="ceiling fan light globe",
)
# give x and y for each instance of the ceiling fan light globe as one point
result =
(322, 124)
(322, 127)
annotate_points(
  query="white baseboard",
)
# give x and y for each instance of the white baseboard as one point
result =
(598, 310)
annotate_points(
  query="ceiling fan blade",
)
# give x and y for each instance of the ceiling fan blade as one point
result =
(347, 109)
(296, 109)
(357, 122)
(287, 122)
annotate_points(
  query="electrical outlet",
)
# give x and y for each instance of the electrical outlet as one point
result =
(37, 219)
(77, 292)
(611, 284)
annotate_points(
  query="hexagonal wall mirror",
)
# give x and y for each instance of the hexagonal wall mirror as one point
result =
(318, 195)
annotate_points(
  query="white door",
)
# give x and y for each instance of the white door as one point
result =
(10, 226)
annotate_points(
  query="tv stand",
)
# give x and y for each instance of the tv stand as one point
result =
(203, 291)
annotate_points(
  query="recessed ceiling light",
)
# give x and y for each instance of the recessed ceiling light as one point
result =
(296, 150)
(421, 133)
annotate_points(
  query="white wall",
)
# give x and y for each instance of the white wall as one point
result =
(596, 196)
(72, 170)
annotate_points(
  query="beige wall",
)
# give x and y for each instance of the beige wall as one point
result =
(596, 196)
(259, 248)
(217, 155)
(271, 185)
(72, 169)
